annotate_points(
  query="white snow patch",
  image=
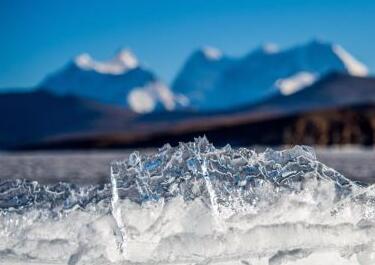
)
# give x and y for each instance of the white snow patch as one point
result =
(121, 63)
(163, 94)
(270, 48)
(212, 53)
(141, 101)
(84, 60)
(127, 58)
(145, 99)
(295, 82)
(353, 66)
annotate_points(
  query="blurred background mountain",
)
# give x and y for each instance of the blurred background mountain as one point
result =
(313, 92)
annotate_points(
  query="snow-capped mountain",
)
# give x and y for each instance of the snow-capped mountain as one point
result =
(121, 81)
(213, 81)
(200, 74)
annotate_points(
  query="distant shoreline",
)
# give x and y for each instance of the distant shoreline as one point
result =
(93, 166)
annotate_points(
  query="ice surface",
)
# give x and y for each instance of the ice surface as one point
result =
(194, 204)
(184, 171)
(20, 195)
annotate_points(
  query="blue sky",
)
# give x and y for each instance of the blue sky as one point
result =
(39, 36)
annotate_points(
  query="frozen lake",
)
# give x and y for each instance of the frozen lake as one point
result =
(92, 167)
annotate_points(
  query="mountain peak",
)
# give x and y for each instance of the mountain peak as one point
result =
(210, 79)
(269, 48)
(84, 60)
(122, 62)
(127, 58)
(353, 66)
(114, 82)
(319, 42)
(265, 49)
(207, 53)
(211, 53)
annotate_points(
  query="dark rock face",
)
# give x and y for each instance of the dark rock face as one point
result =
(333, 127)
(349, 125)
(32, 117)
(354, 125)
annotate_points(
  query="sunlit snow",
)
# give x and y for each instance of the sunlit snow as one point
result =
(122, 62)
(295, 83)
(353, 66)
(212, 53)
(145, 99)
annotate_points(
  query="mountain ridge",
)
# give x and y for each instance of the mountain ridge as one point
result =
(122, 81)
(262, 72)
(104, 103)
(109, 127)
(209, 79)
